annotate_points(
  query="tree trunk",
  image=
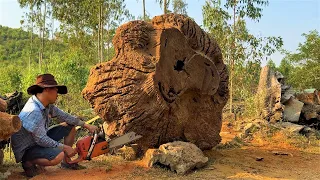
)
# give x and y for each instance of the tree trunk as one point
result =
(166, 82)
(108, 42)
(9, 125)
(31, 37)
(52, 36)
(40, 51)
(268, 98)
(101, 31)
(3, 105)
(144, 10)
(165, 6)
(99, 25)
(43, 31)
(233, 56)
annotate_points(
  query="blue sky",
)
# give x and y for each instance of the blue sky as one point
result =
(285, 18)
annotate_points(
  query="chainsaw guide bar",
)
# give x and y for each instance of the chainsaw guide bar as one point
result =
(124, 139)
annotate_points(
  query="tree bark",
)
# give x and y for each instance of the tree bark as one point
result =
(144, 9)
(166, 82)
(233, 51)
(9, 125)
(165, 7)
(31, 38)
(43, 31)
(268, 98)
(101, 31)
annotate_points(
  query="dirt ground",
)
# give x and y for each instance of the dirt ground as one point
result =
(228, 163)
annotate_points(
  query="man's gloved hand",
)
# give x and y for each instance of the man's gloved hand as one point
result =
(91, 128)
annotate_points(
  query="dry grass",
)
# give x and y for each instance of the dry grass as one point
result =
(273, 136)
(9, 160)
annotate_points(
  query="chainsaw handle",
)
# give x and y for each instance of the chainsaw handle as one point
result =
(93, 143)
(75, 161)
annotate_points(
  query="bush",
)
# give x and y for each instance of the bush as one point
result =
(67, 71)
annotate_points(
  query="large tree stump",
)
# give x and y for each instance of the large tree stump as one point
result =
(268, 98)
(166, 82)
(9, 125)
(3, 105)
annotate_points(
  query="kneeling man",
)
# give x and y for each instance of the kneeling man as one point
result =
(36, 144)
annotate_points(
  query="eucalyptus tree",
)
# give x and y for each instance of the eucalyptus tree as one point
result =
(39, 12)
(227, 23)
(179, 6)
(164, 4)
(86, 20)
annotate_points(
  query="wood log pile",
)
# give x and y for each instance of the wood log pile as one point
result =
(9, 125)
(166, 82)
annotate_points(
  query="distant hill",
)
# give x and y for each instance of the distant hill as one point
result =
(12, 43)
(15, 45)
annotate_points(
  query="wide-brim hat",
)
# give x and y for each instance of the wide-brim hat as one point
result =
(46, 81)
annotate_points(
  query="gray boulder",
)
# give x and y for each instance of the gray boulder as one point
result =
(181, 157)
(293, 128)
(292, 110)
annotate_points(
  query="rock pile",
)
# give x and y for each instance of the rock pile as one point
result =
(278, 102)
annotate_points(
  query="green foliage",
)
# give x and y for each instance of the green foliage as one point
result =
(309, 50)
(71, 73)
(242, 50)
(247, 8)
(179, 6)
(83, 24)
(66, 64)
(305, 76)
(10, 79)
(85, 35)
(237, 43)
(285, 67)
(271, 64)
(246, 78)
(302, 68)
(13, 43)
(66, 71)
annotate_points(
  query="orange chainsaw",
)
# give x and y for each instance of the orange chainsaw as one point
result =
(93, 146)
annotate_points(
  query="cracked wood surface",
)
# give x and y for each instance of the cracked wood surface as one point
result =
(166, 82)
(9, 125)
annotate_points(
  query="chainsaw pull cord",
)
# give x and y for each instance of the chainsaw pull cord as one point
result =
(95, 137)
